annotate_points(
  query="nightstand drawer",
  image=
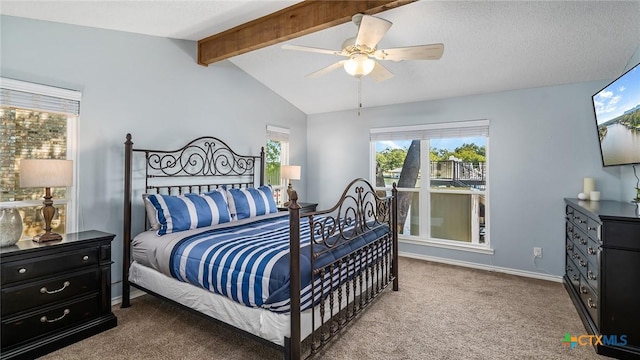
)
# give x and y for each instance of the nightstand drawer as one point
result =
(19, 298)
(31, 325)
(47, 265)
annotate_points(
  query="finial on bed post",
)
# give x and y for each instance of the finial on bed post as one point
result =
(394, 227)
(294, 268)
(126, 234)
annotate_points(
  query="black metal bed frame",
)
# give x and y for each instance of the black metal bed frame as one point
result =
(346, 285)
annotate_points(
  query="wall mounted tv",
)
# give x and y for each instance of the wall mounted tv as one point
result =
(617, 111)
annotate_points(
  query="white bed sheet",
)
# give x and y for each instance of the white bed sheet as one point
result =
(263, 323)
(150, 269)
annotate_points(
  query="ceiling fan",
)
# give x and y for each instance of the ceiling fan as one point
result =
(361, 51)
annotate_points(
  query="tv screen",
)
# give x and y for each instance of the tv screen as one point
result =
(617, 110)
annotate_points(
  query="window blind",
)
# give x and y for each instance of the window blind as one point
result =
(432, 131)
(31, 96)
(277, 133)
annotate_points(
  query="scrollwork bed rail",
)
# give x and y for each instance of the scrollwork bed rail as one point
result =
(353, 246)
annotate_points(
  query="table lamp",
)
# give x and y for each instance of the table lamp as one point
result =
(46, 173)
(290, 172)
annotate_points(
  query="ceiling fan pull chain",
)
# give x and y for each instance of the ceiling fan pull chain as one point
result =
(359, 95)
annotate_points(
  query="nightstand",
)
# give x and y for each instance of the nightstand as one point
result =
(304, 207)
(54, 293)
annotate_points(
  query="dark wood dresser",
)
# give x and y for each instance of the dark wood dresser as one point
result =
(54, 293)
(603, 273)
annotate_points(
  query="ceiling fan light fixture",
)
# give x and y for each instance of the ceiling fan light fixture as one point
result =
(359, 65)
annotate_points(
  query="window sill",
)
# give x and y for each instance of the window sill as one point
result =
(476, 248)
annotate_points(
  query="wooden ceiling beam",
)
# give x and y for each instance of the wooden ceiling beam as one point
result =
(297, 20)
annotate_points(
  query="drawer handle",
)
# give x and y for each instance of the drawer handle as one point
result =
(22, 270)
(576, 277)
(583, 241)
(582, 263)
(64, 313)
(583, 290)
(569, 269)
(85, 258)
(591, 250)
(590, 275)
(591, 303)
(64, 286)
(589, 228)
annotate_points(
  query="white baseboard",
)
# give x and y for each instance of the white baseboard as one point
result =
(529, 274)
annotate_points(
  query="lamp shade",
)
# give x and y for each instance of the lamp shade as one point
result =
(291, 172)
(46, 173)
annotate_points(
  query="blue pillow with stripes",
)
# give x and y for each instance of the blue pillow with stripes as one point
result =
(189, 211)
(249, 202)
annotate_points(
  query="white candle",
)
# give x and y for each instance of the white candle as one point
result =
(588, 186)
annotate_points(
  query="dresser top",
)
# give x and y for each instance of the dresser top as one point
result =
(67, 240)
(607, 209)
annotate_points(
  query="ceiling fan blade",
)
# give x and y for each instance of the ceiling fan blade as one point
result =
(312, 49)
(380, 73)
(371, 31)
(420, 52)
(326, 70)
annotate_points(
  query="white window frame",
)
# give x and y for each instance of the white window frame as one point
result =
(425, 133)
(66, 102)
(276, 133)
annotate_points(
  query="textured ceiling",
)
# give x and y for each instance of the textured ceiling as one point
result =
(489, 46)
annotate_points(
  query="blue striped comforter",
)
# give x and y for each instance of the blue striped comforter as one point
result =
(249, 263)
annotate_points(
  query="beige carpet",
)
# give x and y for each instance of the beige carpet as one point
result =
(440, 312)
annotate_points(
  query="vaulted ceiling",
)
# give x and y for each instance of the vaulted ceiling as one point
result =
(489, 46)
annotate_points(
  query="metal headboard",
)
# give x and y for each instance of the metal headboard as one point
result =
(200, 166)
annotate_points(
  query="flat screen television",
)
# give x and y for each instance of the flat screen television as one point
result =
(617, 112)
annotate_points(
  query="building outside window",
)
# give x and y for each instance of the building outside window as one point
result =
(442, 192)
(277, 154)
(37, 122)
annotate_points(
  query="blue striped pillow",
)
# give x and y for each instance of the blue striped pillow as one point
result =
(249, 202)
(189, 211)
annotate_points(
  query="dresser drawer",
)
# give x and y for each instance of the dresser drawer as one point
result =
(19, 298)
(572, 273)
(594, 230)
(51, 319)
(580, 260)
(579, 219)
(589, 299)
(592, 276)
(580, 240)
(46, 265)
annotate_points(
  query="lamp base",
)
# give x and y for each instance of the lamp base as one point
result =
(48, 236)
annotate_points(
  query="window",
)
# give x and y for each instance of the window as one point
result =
(38, 122)
(277, 154)
(442, 192)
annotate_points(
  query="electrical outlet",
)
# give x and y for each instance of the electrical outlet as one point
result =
(537, 251)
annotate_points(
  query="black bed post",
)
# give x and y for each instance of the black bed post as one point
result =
(126, 234)
(262, 165)
(394, 226)
(294, 288)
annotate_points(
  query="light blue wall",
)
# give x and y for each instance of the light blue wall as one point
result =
(150, 87)
(542, 144)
